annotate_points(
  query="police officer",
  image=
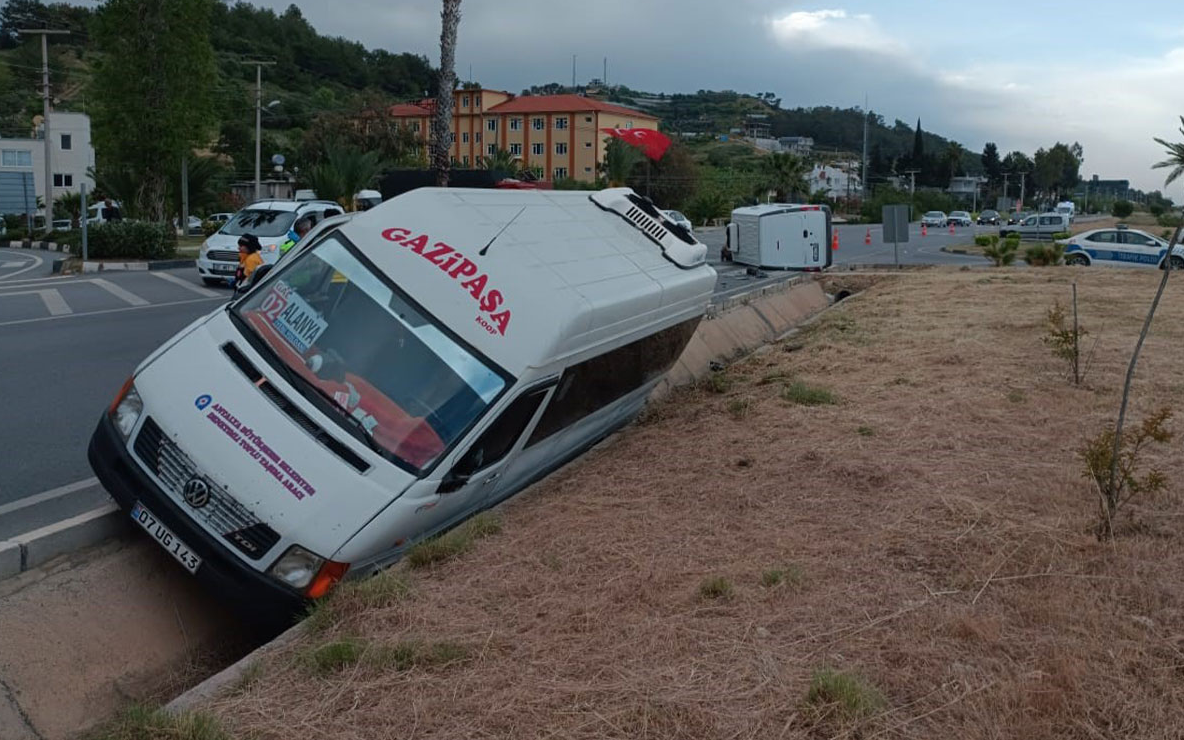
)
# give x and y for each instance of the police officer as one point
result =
(302, 226)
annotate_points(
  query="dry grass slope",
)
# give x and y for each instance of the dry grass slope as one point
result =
(945, 581)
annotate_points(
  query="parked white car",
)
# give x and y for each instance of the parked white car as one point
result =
(1120, 246)
(936, 219)
(1039, 226)
(961, 218)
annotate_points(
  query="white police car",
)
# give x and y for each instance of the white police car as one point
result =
(1120, 246)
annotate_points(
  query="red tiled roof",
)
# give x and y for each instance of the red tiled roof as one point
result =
(563, 104)
(408, 110)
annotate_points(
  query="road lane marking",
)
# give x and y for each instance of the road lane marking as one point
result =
(105, 311)
(52, 493)
(118, 292)
(54, 302)
(37, 262)
(187, 285)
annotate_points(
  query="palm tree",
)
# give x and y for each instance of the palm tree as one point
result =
(619, 161)
(1175, 158)
(501, 161)
(69, 204)
(442, 121)
(342, 173)
(954, 153)
(786, 174)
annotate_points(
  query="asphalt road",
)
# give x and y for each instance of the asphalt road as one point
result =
(68, 344)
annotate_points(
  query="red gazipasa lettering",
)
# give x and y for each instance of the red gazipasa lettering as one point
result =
(459, 268)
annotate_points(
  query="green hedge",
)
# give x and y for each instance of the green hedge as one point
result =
(127, 240)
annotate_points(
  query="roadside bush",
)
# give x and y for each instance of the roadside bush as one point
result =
(1156, 209)
(73, 238)
(130, 239)
(209, 227)
(16, 235)
(1061, 235)
(1122, 208)
(984, 240)
(1170, 220)
(1044, 255)
(1000, 253)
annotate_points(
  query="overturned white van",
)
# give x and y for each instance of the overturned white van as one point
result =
(400, 371)
(780, 236)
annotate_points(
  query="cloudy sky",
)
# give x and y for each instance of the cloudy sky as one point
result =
(1022, 74)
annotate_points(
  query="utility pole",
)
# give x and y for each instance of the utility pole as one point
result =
(1023, 175)
(259, 125)
(573, 73)
(45, 33)
(1005, 176)
(912, 189)
(863, 190)
(185, 195)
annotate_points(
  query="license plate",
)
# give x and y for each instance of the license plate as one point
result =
(167, 539)
(222, 269)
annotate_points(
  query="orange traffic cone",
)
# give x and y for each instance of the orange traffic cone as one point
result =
(834, 241)
(867, 238)
(924, 230)
(951, 227)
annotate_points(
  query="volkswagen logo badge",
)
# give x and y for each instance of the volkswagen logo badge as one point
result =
(196, 492)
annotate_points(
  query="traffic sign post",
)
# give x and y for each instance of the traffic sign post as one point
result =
(896, 227)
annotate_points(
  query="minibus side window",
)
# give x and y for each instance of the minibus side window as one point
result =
(593, 384)
(499, 438)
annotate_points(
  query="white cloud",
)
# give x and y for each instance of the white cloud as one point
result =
(832, 29)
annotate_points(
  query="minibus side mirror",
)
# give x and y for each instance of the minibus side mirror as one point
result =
(260, 272)
(454, 481)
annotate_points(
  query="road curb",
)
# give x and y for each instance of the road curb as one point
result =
(92, 266)
(42, 245)
(42, 545)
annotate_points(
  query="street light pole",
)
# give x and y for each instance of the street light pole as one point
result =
(45, 33)
(259, 125)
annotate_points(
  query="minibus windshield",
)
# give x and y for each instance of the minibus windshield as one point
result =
(340, 330)
(264, 223)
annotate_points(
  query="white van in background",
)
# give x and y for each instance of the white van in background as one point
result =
(1067, 208)
(401, 370)
(272, 221)
(780, 236)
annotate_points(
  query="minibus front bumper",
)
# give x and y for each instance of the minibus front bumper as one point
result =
(261, 597)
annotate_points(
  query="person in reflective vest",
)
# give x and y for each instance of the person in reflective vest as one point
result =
(299, 229)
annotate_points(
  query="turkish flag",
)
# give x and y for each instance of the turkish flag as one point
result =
(652, 144)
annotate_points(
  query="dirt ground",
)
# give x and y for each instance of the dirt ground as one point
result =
(914, 560)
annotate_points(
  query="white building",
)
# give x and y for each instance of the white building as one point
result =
(71, 156)
(799, 145)
(836, 181)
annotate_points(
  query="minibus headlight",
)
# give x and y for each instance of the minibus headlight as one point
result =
(296, 567)
(307, 571)
(126, 409)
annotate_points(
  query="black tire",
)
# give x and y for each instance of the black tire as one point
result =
(1177, 262)
(1076, 259)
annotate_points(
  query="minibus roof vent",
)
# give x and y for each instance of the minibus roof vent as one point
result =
(677, 244)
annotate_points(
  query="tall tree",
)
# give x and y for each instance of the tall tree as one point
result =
(153, 92)
(1017, 162)
(786, 175)
(953, 158)
(992, 165)
(1056, 169)
(620, 159)
(1175, 160)
(918, 146)
(442, 120)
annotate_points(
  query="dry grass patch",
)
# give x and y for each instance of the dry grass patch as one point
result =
(145, 723)
(950, 559)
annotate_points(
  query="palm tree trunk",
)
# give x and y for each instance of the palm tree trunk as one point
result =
(442, 121)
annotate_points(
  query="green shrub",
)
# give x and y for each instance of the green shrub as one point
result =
(454, 542)
(805, 395)
(716, 588)
(130, 239)
(72, 238)
(16, 235)
(1002, 254)
(208, 228)
(1044, 255)
(333, 656)
(851, 695)
(1061, 236)
(144, 723)
(1156, 209)
(1122, 208)
(984, 240)
(1170, 220)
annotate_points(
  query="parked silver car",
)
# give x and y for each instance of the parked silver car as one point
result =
(1040, 226)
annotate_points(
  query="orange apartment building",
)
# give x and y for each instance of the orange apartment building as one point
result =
(559, 133)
